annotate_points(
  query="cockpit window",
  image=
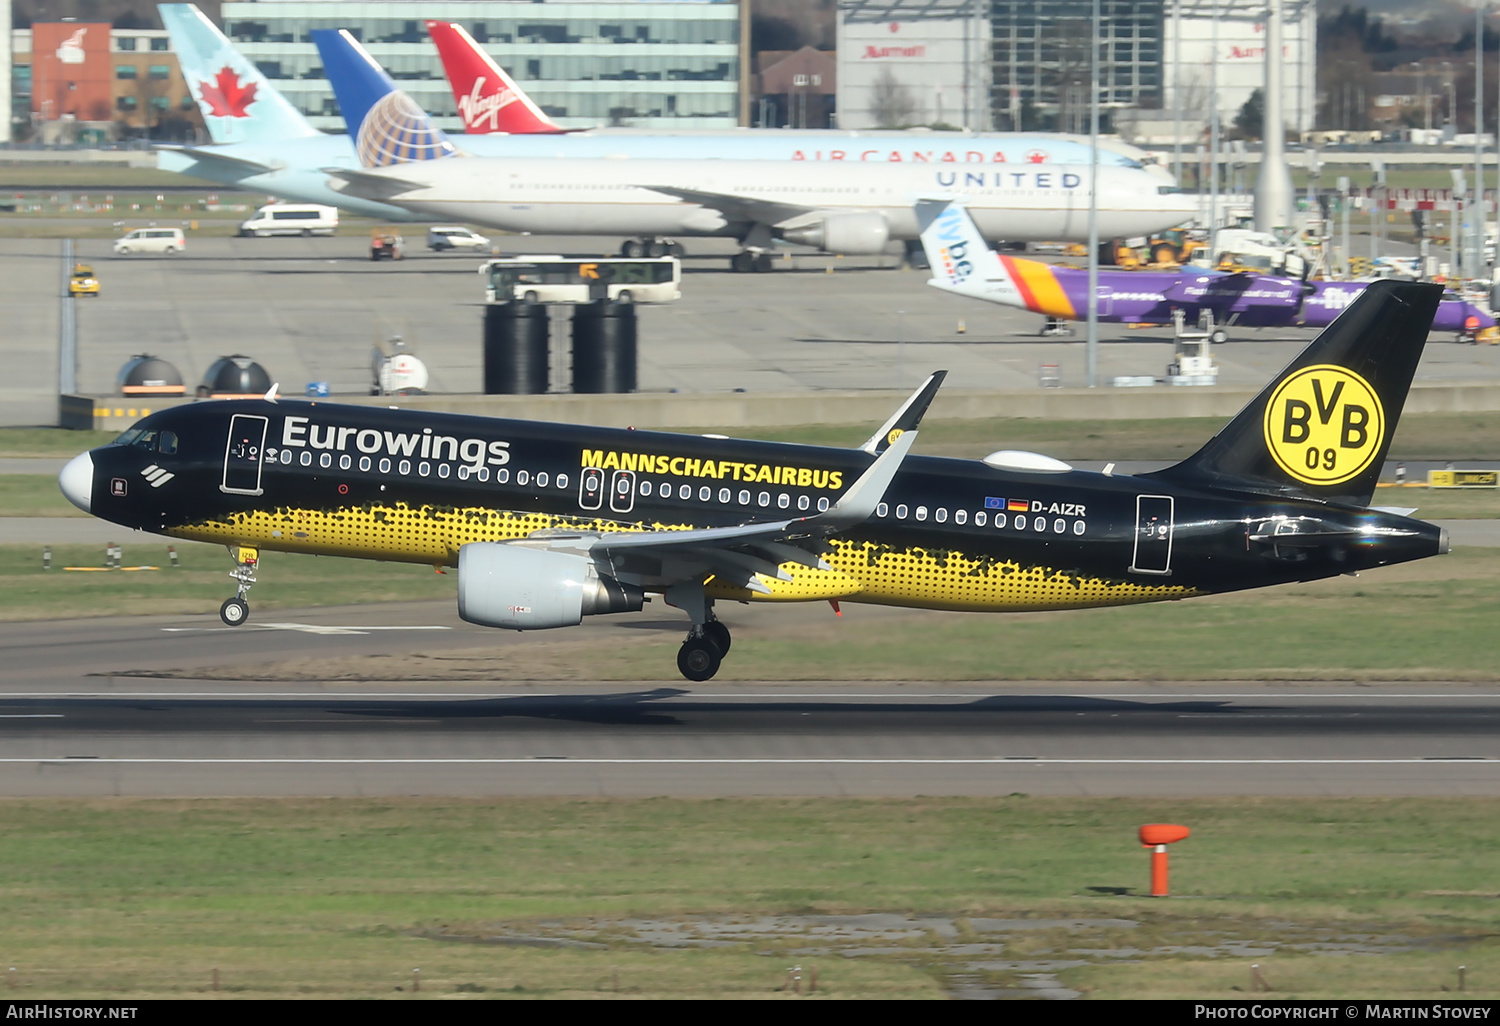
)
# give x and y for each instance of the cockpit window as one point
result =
(128, 437)
(166, 442)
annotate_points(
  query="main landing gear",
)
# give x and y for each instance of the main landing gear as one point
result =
(634, 249)
(235, 611)
(708, 639)
(750, 262)
(704, 650)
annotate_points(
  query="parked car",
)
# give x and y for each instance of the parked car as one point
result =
(151, 240)
(448, 236)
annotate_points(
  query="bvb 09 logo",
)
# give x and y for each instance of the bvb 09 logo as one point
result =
(1324, 425)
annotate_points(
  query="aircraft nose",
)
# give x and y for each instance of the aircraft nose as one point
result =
(77, 481)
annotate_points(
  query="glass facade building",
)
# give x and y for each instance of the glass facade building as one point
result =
(1042, 60)
(661, 65)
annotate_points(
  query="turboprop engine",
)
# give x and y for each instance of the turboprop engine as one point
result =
(526, 589)
(843, 233)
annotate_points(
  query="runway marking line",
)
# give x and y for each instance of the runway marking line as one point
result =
(305, 628)
(690, 696)
(813, 761)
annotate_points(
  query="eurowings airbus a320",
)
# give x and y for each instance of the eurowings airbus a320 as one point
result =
(549, 523)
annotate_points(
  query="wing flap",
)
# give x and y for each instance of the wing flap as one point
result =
(736, 208)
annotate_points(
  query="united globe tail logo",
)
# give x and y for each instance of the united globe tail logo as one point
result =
(1324, 425)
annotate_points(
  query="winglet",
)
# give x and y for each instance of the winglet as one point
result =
(271, 395)
(858, 504)
(907, 417)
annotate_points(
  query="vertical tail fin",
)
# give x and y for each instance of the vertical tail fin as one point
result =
(487, 98)
(963, 262)
(1323, 427)
(238, 104)
(387, 126)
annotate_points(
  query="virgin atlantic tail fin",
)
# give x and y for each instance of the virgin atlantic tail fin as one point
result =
(488, 99)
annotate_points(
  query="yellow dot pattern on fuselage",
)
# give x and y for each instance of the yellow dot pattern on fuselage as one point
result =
(861, 572)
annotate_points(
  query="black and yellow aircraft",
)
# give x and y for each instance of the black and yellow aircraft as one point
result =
(548, 523)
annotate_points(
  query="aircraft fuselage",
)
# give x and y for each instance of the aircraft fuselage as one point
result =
(954, 534)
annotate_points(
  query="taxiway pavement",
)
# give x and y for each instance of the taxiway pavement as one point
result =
(310, 310)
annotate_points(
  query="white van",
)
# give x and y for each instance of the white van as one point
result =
(291, 219)
(151, 240)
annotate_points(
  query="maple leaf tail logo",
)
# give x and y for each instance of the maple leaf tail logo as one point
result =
(225, 96)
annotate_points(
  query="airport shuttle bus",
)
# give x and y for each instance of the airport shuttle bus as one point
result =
(548, 523)
(559, 279)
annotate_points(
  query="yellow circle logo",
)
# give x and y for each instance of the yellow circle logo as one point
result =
(1324, 425)
(896, 433)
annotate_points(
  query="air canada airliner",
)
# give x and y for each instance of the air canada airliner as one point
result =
(262, 143)
(549, 523)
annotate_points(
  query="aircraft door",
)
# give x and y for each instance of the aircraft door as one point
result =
(242, 455)
(1153, 535)
(622, 491)
(591, 488)
(1104, 300)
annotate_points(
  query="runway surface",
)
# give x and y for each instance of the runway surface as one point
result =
(80, 714)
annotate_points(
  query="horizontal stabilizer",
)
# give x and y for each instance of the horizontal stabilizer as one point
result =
(224, 161)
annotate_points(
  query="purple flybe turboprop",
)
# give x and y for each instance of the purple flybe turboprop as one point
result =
(963, 263)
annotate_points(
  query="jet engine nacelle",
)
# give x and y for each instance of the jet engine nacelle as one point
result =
(856, 234)
(526, 589)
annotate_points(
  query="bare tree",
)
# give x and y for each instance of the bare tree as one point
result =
(891, 103)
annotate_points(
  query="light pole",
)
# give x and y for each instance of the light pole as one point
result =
(1093, 298)
(1177, 90)
(1476, 262)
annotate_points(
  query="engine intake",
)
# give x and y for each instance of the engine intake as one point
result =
(855, 234)
(526, 589)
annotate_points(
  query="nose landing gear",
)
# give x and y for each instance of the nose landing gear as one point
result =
(236, 611)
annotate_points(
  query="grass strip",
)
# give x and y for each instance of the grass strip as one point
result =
(198, 584)
(1421, 621)
(342, 898)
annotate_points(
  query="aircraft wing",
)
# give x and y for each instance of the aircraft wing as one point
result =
(233, 165)
(736, 208)
(1188, 289)
(371, 185)
(740, 553)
